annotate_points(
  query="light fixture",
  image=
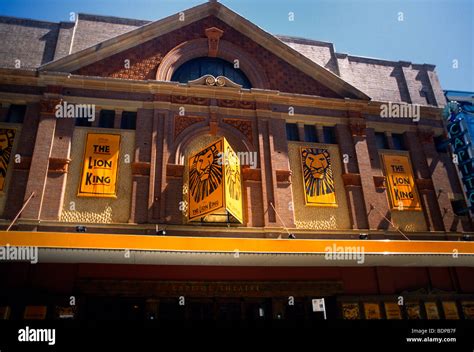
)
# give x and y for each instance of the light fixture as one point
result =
(81, 228)
(466, 237)
(291, 236)
(363, 236)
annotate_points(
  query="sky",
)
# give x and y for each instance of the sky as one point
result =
(439, 32)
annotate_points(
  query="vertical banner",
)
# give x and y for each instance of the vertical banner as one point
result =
(7, 137)
(372, 311)
(400, 182)
(233, 182)
(318, 179)
(450, 310)
(99, 170)
(206, 184)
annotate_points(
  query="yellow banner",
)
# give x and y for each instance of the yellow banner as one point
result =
(233, 182)
(400, 182)
(7, 137)
(206, 183)
(318, 179)
(99, 170)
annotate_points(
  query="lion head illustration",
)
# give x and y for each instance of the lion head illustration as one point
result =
(205, 173)
(6, 145)
(318, 177)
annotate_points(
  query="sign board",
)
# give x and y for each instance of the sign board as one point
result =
(401, 187)
(100, 165)
(215, 182)
(318, 178)
(7, 136)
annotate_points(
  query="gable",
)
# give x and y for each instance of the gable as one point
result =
(287, 69)
(145, 59)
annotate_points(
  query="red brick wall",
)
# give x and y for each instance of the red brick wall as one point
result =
(145, 59)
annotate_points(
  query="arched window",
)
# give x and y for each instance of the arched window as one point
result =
(198, 67)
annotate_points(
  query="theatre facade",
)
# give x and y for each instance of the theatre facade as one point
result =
(199, 167)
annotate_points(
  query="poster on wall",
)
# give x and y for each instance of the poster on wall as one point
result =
(350, 311)
(392, 310)
(450, 310)
(233, 182)
(468, 309)
(100, 165)
(432, 312)
(413, 310)
(318, 178)
(372, 311)
(401, 187)
(206, 183)
(7, 137)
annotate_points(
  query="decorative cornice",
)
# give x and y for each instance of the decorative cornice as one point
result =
(379, 182)
(210, 80)
(174, 170)
(283, 176)
(141, 168)
(59, 165)
(351, 179)
(251, 174)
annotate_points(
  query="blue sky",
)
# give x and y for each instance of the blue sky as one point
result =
(432, 31)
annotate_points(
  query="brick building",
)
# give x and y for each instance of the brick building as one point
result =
(169, 89)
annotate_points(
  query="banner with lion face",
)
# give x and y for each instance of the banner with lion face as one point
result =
(7, 137)
(206, 184)
(318, 179)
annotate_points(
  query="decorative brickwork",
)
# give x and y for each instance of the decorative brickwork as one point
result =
(244, 126)
(183, 122)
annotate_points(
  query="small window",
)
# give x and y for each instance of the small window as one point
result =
(107, 118)
(441, 144)
(329, 135)
(129, 120)
(310, 133)
(292, 132)
(83, 122)
(381, 140)
(398, 143)
(16, 113)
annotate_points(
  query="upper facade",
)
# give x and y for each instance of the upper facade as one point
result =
(98, 45)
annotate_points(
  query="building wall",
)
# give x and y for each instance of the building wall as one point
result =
(98, 210)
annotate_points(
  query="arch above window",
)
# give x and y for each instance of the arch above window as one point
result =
(227, 51)
(200, 66)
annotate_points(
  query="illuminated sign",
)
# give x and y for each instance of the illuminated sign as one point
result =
(400, 182)
(215, 186)
(99, 169)
(461, 144)
(318, 178)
